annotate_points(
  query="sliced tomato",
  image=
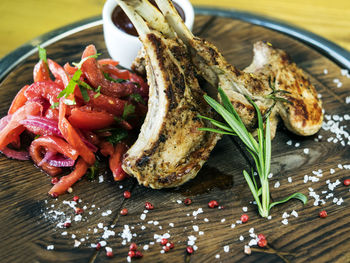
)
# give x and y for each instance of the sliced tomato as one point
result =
(41, 72)
(51, 114)
(116, 160)
(143, 88)
(105, 61)
(48, 90)
(106, 148)
(72, 136)
(13, 128)
(107, 103)
(70, 69)
(115, 72)
(93, 73)
(58, 72)
(85, 118)
(67, 181)
(19, 100)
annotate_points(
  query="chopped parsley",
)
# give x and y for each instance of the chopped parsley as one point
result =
(42, 54)
(117, 135)
(108, 77)
(93, 170)
(55, 105)
(137, 98)
(75, 81)
(128, 110)
(98, 92)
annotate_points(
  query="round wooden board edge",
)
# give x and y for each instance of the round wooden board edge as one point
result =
(329, 49)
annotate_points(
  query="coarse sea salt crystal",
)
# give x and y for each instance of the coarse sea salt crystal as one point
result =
(50, 247)
(277, 184)
(107, 234)
(217, 256)
(290, 179)
(195, 248)
(325, 71)
(340, 201)
(77, 243)
(143, 216)
(289, 142)
(179, 201)
(241, 238)
(233, 226)
(331, 171)
(206, 220)
(297, 144)
(145, 247)
(197, 212)
(252, 242)
(223, 220)
(245, 209)
(201, 233)
(171, 224)
(285, 215)
(285, 221)
(195, 228)
(191, 240)
(251, 230)
(126, 234)
(344, 72)
(226, 248)
(306, 150)
(100, 179)
(294, 213)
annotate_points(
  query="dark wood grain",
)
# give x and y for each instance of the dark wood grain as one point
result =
(27, 229)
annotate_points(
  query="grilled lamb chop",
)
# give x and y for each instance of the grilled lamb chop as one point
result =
(170, 149)
(270, 73)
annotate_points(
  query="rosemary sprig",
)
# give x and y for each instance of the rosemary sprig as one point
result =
(259, 149)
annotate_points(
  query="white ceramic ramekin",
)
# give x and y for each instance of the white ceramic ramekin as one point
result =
(124, 47)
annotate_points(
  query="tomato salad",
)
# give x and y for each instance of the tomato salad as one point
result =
(71, 115)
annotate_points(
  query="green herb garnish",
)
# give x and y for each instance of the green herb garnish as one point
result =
(259, 150)
(55, 105)
(75, 81)
(128, 110)
(93, 170)
(98, 92)
(108, 77)
(42, 54)
(78, 65)
(137, 98)
(117, 135)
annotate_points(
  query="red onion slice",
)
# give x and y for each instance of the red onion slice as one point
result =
(45, 126)
(47, 157)
(18, 155)
(92, 147)
(60, 161)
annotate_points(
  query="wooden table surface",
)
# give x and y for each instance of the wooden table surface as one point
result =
(23, 20)
(30, 225)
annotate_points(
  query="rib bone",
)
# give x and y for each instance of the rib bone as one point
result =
(170, 149)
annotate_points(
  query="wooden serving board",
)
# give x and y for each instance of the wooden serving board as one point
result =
(28, 227)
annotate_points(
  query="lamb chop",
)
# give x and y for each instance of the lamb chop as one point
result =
(271, 76)
(165, 153)
(170, 149)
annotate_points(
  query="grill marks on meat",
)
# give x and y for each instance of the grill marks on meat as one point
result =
(303, 115)
(170, 149)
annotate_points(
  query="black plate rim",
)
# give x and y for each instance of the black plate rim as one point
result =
(329, 49)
